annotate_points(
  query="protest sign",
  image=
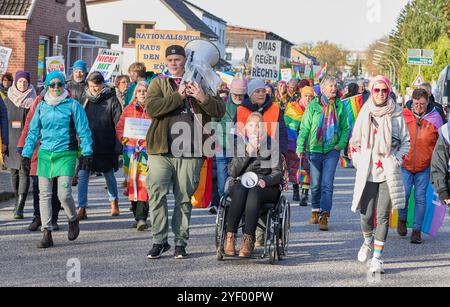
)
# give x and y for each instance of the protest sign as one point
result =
(286, 74)
(136, 128)
(151, 45)
(5, 55)
(106, 64)
(266, 59)
(55, 63)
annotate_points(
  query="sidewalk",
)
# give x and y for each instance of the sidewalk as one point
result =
(5, 186)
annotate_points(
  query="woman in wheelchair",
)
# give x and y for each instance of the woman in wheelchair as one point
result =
(246, 201)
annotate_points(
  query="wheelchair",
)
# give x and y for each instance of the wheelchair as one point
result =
(277, 228)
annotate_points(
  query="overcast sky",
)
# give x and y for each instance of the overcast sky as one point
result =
(353, 24)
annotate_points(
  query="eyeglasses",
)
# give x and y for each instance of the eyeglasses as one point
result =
(379, 90)
(56, 85)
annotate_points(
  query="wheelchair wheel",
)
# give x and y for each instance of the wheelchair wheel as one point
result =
(220, 227)
(272, 242)
(285, 228)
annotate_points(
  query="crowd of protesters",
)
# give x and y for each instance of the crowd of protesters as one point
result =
(72, 129)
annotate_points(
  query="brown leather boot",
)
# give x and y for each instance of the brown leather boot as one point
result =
(247, 247)
(416, 237)
(402, 228)
(230, 245)
(47, 240)
(115, 208)
(323, 222)
(74, 230)
(314, 218)
(82, 214)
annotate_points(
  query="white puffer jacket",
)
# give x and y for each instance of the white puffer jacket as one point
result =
(392, 164)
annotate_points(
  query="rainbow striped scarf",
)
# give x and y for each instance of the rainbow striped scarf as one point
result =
(327, 130)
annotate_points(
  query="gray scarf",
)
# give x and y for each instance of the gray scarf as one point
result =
(22, 100)
(54, 101)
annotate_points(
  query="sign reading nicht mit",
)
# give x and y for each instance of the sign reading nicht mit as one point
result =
(266, 59)
(151, 45)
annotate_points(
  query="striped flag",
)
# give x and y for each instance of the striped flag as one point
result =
(353, 106)
(321, 73)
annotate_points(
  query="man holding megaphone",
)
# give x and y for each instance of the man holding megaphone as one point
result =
(175, 155)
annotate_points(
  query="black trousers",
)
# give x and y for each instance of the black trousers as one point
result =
(56, 204)
(140, 210)
(248, 202)
(20, 182)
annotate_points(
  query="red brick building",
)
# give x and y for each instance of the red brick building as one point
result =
(36, 29)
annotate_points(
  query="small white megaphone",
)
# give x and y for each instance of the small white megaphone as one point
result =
(202, 56)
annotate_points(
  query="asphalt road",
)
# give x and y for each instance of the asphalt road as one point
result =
(110, 253)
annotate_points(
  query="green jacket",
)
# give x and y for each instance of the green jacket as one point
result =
(228, 120)
(310, 122)
(161, 100)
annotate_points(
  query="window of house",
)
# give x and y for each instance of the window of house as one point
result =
(129, 31)
(229, 56)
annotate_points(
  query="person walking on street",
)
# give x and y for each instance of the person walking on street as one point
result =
(56, 204)
(138, 72)
(57, 122)
(432, 101)
(18, 101)
(423, 122)
(135, 155)
(293, 118)
(77, 84)
(323, 135)
(173, 106)
(4, 141)
(379, 144)
(7, 82)
(103, 111)
(122, 85)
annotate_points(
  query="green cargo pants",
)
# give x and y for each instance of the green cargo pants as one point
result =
(184, 175)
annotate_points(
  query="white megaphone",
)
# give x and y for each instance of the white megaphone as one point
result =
(202, 56)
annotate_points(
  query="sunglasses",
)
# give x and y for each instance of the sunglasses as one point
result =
(56, 85)
(379, 90)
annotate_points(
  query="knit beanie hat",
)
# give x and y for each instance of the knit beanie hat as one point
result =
(239, 86)
(80, 65)
(255, 85)
(308, 90)
(382, 79)
(22, 74)
(56, 74)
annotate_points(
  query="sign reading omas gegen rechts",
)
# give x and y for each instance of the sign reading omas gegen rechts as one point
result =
(266, 59)
(151, 45)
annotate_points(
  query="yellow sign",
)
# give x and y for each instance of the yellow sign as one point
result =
(151, 45)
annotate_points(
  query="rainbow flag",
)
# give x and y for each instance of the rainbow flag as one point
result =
(353, 106)
(434, 213)
(321, 73)
(346, 162)
(293, 118)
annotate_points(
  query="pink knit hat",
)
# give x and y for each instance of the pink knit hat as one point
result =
(382, 79)
(239, 86)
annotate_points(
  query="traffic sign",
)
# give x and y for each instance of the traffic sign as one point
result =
(418, 81)
(421, 57)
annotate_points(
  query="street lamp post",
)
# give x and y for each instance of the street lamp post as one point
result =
(398, 63)
(389, 62)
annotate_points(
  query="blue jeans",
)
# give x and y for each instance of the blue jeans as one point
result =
(221, 172)
(322, 172)
(83, 184)
(420, 181)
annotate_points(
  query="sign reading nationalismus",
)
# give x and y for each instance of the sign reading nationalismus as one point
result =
(266, 59)
(151, 45)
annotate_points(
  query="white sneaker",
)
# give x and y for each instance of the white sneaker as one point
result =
(376, 266)
(364, 253)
